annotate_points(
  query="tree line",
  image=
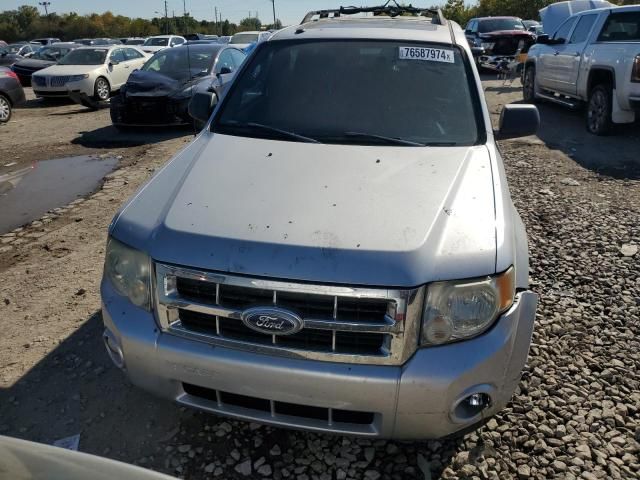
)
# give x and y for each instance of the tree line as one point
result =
(27, 23)
(525, 9)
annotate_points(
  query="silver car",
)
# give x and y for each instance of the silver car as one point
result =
(337, 250)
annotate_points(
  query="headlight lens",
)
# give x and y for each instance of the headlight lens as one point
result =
(129, 271)
(488, 45)
(77, 78)
(461, 310)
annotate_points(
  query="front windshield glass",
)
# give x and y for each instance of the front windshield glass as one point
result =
(13, 48)
(499, 24)
(50, 53)
(156, 42)
(134, 42)
(174, 63)
(85, 56)
(358, 92)
(244, 38)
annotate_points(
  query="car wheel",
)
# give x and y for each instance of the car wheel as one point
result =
(5, 109)
(599, 120)
(101, 90)
(529, 85)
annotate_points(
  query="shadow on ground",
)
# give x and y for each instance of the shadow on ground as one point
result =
(76, 390)
(110, 136)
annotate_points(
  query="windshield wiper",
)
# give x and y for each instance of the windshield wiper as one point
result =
(390, 140)
(279, 131)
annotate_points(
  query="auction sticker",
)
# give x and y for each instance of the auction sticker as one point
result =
(428, 54)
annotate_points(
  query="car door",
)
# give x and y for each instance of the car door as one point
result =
(548, 69)
(570, 56)
(135, 58)
(118, 68)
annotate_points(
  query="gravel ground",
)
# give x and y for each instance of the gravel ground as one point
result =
(575, 414)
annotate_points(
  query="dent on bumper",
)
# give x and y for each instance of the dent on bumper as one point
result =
(411, 401)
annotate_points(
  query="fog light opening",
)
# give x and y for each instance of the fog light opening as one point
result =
(113, 349)
(472, 406)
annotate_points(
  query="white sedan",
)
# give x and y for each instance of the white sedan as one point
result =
(96, 71)
(160, 42)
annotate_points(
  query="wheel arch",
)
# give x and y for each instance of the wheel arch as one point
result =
(600, 74)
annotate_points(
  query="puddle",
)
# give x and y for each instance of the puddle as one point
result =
(28, 193)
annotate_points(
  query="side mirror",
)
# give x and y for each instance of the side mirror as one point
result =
(543, 38)
(225, 70)
(477, 51)
(201, 105)
(518, 121)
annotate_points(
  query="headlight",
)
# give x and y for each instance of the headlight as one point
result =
(77, 78)
(487, 45)
(461, 310)
(129, 271)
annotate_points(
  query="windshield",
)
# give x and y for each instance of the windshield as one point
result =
(174, 63)
(156, 42)
(85, 56)
(50, 53)
(358, 92)
(244, 38)
(498, 24)
(134, 42)
(13, 48)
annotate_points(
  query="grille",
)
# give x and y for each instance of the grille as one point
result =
(150, 110)
(506, 46)
(340, 324)
(39, 81)
(306, 339)
(329, 415)
(59, 81)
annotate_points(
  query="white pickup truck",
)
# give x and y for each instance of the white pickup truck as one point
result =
(593, 58)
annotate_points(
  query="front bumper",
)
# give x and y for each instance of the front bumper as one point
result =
(495, 62)
(149, 111)
(412, 401)
(83, 86)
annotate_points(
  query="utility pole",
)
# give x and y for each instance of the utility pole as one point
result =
(46, 7)
(184, 16)
(166, 19)
(273, 2)
(215, 13)
(174, 24)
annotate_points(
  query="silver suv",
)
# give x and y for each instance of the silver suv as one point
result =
(337, 250)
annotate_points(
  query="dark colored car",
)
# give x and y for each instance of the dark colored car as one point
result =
(43, 58)
(15, 52)
(496, 40)
(159, 93)
(11, 93)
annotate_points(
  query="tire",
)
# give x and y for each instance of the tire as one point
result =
(599, 107)
(529, 85)
(5, 109)
(101, 89)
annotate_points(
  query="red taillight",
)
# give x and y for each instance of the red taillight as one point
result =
(8, 73)
(635, 71)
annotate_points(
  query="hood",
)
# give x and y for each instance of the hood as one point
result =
(152, 49)
(145, 83)
(385, 216)
(556, 13)
(69, 69)
(35, 64)
(9, 59)
(506, 33)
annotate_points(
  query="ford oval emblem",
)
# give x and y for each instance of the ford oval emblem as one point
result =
(272, 320)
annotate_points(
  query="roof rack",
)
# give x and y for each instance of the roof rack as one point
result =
(390, 8)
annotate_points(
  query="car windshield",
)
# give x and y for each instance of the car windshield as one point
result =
(134, 42)
(13, 48)
(50, 53)
(85, 56)
(357, 92)
(174, 63)
(156, 42)
(244, 38)
(498, 24)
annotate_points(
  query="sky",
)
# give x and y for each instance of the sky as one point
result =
(288, 11)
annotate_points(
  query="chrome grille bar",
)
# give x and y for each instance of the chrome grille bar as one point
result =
(398, 327)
